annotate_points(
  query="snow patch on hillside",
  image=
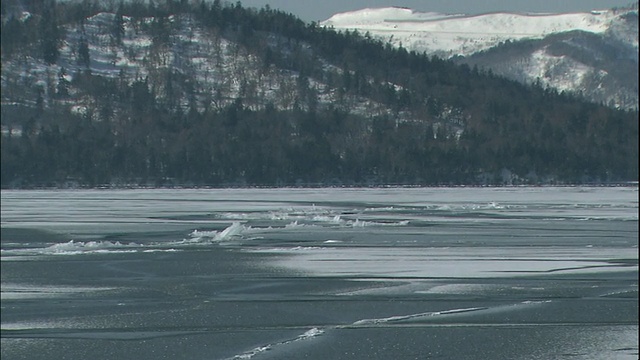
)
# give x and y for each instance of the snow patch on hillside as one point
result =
(559, 72)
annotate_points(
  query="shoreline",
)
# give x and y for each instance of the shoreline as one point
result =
(322, 186)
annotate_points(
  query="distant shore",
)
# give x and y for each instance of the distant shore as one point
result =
(313, 186)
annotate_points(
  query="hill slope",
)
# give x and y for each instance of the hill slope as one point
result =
(216, 94)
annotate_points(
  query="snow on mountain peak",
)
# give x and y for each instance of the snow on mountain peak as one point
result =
(451, 35)
(371, 16)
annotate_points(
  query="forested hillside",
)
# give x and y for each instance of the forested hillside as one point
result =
(607, 70)
(215, 94)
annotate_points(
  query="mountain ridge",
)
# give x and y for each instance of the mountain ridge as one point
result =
(449, 36)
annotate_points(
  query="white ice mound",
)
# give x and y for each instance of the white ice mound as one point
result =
(311, 333)
(77, 247)
(337, 220)
(233, 231)
(361, 223)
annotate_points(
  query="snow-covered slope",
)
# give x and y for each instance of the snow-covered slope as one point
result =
(452, 35)
(602, 67)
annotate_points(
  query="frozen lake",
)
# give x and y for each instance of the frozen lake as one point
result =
(384, 273)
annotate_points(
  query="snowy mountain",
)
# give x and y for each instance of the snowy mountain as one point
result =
(608, 40)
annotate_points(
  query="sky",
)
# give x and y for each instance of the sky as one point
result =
(319, 10)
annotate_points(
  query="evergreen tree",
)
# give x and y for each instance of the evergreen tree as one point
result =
(117, 29)
(84, 58)
(62, 89)
(50, 33)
